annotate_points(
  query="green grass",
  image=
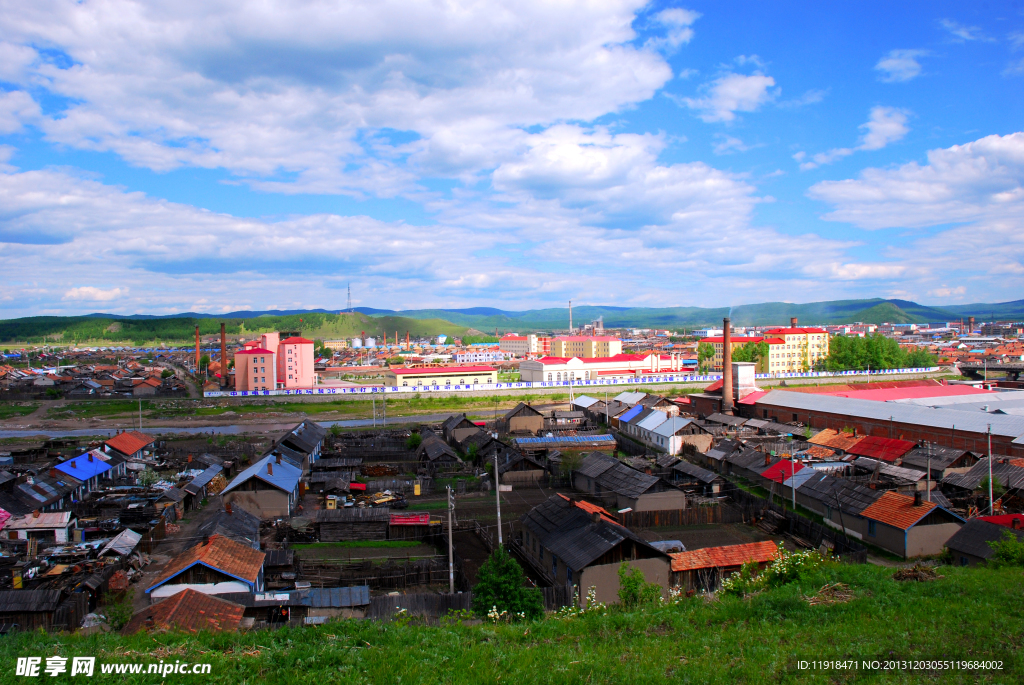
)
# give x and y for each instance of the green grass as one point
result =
(428, 506)
(971, 613)
(8, 411)
(99, 408)
(358, 544)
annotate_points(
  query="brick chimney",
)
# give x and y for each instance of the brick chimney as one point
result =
(1015, 523)
(792, 322)
(35, 514)
(223, 357)
(270, 468)
(279, 459)
(917, 498)
(227, 508)
(727, 399)
(970, 324)
(767, 459)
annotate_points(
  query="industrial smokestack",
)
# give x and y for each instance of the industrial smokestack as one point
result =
(223, 356)
(570, 317)
(970, 324)
(197, 348)
(792, 322)
(727, 402)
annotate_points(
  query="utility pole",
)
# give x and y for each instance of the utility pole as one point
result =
(929, 481)
(140, 415)
(384, 408)
(373, 405)
(991, 504)
(792, 479)
(451, 562)
(497, 491)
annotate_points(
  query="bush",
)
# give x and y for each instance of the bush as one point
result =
(166, 373)
(787, 567)
(118, 615)
(501, 590)
(1007, 552)
(634, 591)
(413, 441)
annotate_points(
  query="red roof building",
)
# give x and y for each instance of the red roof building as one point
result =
(782, 470)
(190, 611)
(130, 443)
(725, 557)
(885, 449)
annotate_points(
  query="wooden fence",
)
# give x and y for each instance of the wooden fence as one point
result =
(693, 516)
(751, 506)
(394, 574)
(429, 605)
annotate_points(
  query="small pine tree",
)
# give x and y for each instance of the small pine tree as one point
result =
(501, 585)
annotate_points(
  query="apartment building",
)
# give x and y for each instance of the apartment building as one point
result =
(586, 347)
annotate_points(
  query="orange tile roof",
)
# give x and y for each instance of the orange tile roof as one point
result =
(130, 442)
(724, 557)
(590, 508)
(897, 510)
(835, 439)
(220, 553)
(818, 452)
(190, 611)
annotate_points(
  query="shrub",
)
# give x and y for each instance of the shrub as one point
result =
(413, 441)
(784, 569)
(634, 591)
(1007, 552)
(118, 615)
(501, 590)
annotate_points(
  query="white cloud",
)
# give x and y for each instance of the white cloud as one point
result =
(16, 108)
(284, 93)
(1014, 68)
(982, 179)
(733, 93)
(884, 125)
(811, 97)
(971, 197)
(91, 293)
(728, 144)
(900, 66)
(961, 33)
(677, 22)
(946, 292)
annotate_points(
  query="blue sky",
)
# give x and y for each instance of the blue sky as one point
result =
(219, 155)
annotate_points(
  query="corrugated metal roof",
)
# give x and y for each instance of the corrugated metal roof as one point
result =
(283, 476)
(196, 484)
(697, 472)
(868, 464)
(1007, 474)
(886, 449)
(629, 397)
(653, 420)
(672, 426)
(625, 481)
(1002, 424)
(584, 401)
(568, 439)
(593, 465)
(626, 416)
(123, 543)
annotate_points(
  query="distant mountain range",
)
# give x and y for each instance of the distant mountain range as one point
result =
(322, 323)
(815, 313)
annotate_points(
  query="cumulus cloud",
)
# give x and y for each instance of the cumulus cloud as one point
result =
(967, 202)
(677, 23)
(283, 93)
(884, 125)
(726, 144)
(733, 93)
(91, 293)
(900, 66)
(16, 108)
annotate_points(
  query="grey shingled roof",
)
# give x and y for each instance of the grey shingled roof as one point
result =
(852, 498)
(571, 535)
(869, 465)
(724, 449)
(697, 472)
(974, 536)
(735, 421)
(1008, 475)
(941, 457)
(595, 464)
(625, 481)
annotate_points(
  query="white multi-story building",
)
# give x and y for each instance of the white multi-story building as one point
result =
(596, 368)
(481, 356)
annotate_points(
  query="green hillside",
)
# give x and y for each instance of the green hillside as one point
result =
(766, 313)
(83, 330)
(965, 614)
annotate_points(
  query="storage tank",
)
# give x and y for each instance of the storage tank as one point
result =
(371, 342)
(357, 343)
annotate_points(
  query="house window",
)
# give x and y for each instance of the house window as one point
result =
(405, 382)
(872, 528)
(568, 574)
(554, 566)
(559, 376)
(765, 411)
(447, 381)
(963, 561)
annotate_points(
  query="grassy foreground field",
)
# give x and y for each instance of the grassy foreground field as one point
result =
(975, 614)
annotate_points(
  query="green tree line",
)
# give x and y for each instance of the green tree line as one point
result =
(874, 352)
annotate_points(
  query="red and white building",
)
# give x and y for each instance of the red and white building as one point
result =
(596, 368)
(270, 363)
(525, 345)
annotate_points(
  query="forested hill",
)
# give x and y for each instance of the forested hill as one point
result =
(138, 331)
